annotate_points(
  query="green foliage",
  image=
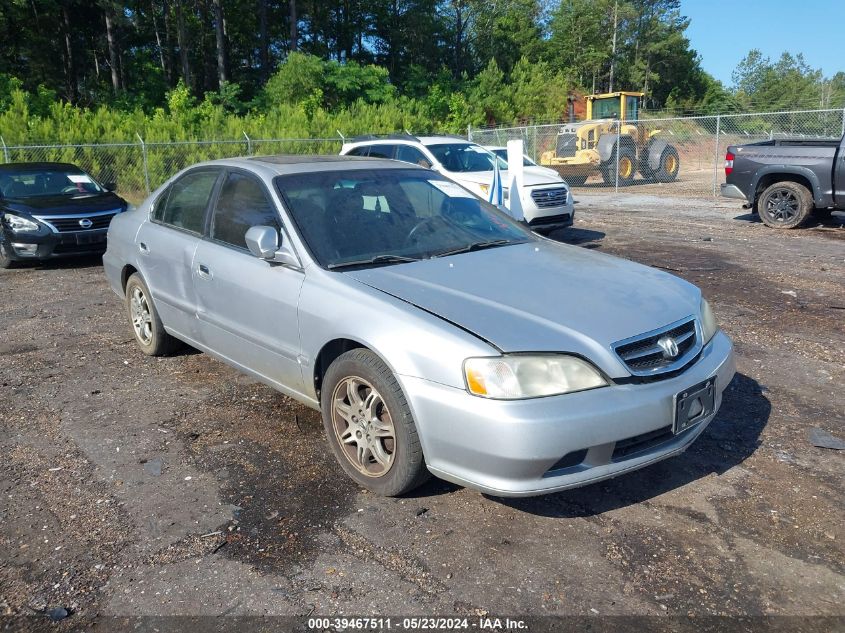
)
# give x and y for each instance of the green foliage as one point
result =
(760, 81)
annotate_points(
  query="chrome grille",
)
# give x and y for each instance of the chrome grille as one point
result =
(76, 222)
(644, 356)
(545, 198)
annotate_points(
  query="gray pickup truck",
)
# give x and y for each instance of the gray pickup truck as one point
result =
(784, 181)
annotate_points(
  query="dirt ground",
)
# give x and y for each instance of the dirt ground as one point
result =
(133, 486)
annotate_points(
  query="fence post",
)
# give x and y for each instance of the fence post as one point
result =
(469, 131)
(248, 144)
(5, 150)
(716, 156)
(618, 142)
(843, 121)
(146, 168)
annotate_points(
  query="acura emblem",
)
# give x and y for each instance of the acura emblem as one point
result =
(85, 223)
(669, 347)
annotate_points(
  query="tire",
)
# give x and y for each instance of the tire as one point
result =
(6, 260)
(627, 167)
(351, 381)
(146, 325)
(577, 180)
(785, 205)
(670, 165)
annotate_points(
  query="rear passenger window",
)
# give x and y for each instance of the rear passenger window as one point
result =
(410, 154)
(187, 201)
(382, 151)
(242, 204)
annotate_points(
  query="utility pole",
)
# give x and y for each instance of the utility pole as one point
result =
(613, 50)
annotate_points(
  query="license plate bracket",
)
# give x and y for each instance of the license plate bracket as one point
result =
(694, 404)
(90, 238)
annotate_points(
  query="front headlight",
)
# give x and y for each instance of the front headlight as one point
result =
(19, 224)
(709, 327)
(529, 376)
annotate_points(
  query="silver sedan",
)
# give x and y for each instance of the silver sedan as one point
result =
(434, 334)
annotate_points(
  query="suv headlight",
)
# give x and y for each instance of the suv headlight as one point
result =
(18, 224)
(529, 376)
(709, 327)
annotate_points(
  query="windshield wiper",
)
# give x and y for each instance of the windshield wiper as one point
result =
(378, 259)
(475, 246)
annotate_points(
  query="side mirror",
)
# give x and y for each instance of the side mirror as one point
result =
(263, 242)
(110, 185)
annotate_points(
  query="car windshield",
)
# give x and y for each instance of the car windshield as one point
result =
(28, 182)
(503, 157)
(375, 217)
(463, 157)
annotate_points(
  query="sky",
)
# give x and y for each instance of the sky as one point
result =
(723, 31)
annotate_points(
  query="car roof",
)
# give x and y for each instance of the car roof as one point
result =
(409, 140)
(38, 165)
(299, 163)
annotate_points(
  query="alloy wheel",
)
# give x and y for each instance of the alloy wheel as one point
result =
(782, 205)
(363, 426)
(142, 318)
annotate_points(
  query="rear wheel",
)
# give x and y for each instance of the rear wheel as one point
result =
(670, 165)
(369, 425)
(146, 325)
(785, 205)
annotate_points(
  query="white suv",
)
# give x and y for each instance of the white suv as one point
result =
(546, 199)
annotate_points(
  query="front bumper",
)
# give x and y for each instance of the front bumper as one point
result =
(732, 191)
(34, 247)
(512, 448)
(552, 222)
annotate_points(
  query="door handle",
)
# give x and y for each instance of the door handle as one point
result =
(143, 248)
(204, 272)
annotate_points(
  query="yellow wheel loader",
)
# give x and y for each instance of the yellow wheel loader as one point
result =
(590, 147)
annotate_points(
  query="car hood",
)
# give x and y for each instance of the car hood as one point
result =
(530, 178)
(52, 205)
(540, 296)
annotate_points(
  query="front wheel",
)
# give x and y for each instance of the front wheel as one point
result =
(6, 260)
(369, 425)
(785, 205)
(626, 162)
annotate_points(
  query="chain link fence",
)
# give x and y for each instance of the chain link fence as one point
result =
(138, 167)
(681, 156)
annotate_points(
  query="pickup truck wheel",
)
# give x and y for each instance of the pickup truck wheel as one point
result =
(146, 325)
(785, 205)
(369, 425)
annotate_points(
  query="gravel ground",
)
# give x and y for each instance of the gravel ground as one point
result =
(137, 486)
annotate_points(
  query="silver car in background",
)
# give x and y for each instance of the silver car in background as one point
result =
(435, 334)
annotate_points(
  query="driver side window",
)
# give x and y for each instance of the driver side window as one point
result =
(242, 204)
